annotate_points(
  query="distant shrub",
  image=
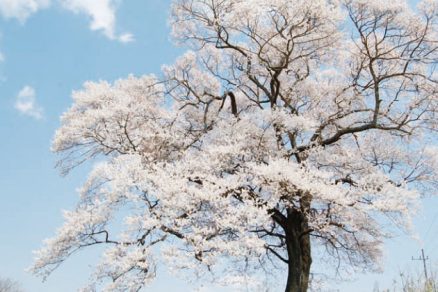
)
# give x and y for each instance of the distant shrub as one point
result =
(8, 285)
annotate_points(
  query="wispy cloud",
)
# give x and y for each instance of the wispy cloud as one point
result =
(26, 103)
(101, 12)
(126, 38)
(21, 9)
(2, 56)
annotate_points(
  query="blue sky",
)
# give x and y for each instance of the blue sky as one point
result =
(47, 51)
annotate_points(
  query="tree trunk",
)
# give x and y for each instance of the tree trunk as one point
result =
(299, 252)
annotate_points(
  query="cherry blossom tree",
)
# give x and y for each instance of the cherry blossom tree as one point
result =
(289, 126)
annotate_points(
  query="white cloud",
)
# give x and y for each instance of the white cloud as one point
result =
(2, 56)
(126, 38)
(102, 13)
(26, 103)
(21, 9)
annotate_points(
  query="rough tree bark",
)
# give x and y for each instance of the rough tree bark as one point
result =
(298, 249)
(297, 237)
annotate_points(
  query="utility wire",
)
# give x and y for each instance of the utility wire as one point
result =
(430, 226)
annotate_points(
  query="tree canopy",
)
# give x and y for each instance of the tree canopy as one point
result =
(287, 126)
